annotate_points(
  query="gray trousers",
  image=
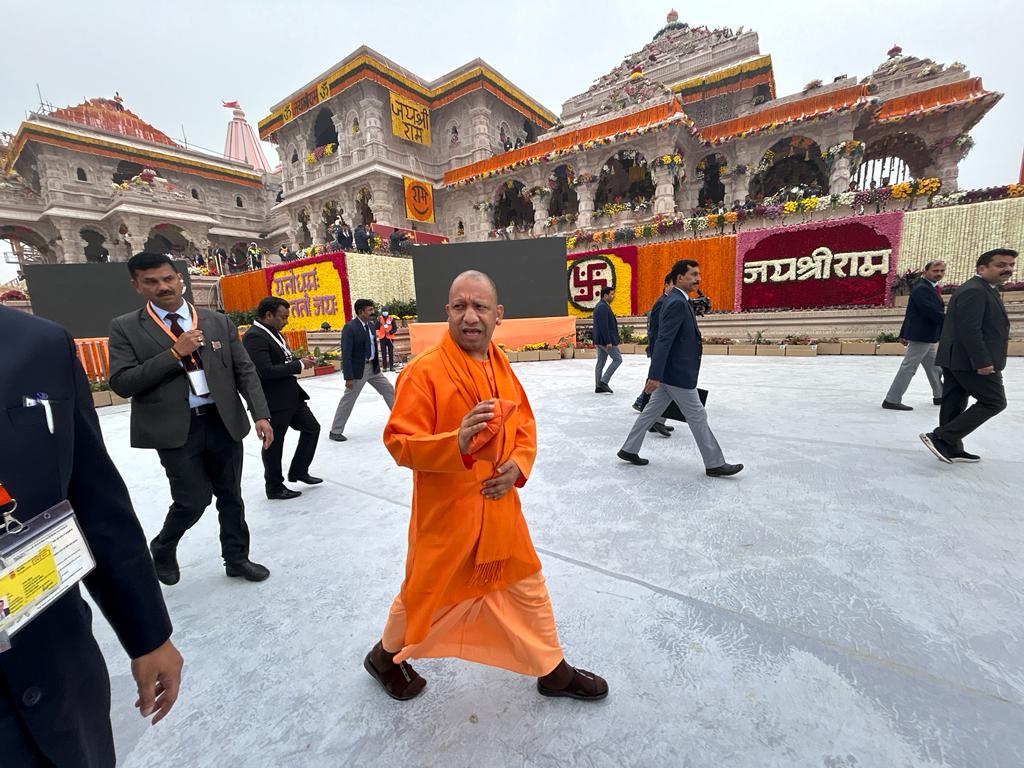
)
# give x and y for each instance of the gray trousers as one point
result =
(917, 353)
(601, 376)
(376, 380)
(696, 419)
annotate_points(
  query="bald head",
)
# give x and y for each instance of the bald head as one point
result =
(458, 284)
(473, 312)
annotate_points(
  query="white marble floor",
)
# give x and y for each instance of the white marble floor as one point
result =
(846, 602)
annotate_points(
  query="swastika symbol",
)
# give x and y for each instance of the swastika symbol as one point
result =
(587, 277)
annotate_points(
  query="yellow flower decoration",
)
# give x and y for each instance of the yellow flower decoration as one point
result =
(310, 158)
(329, 149)
(570, 242)
(789, 207)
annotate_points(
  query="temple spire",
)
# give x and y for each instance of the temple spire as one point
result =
(241, 143)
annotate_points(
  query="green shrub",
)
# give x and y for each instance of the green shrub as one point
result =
(887, 337)
(400, 308)
(241, 317)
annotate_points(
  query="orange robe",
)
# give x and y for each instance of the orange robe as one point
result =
(444, 607)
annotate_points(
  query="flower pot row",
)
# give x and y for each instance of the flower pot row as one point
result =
(761, 350)
(106, 397)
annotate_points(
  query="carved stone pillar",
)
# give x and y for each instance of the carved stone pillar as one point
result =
(839, 176)
(541, 205)
(72, 247)
(373, 127)
(586, 193)
(480, 118)
(384, 203)
(664, 191)
(485, 219)
(946, 168)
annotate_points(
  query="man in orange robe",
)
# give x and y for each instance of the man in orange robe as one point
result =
(473, 587)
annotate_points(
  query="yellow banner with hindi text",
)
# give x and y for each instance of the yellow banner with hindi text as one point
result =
(410, 120)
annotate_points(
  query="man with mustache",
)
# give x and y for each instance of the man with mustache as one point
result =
(473, 587)
(972, 353)
(184, 369)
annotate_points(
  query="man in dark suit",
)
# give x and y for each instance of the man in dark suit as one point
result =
(652, 333)
(922, 326)
(360, 364)
(675, 366)
(606, 340)
(184, 368)
(286, 399)
(54, 688)
(972, 353)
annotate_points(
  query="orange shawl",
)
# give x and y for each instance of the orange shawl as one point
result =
(461, 545)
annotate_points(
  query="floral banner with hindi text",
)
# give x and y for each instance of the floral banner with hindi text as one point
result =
(823, 264)
(316, 288)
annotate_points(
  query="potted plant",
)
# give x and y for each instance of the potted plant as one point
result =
(717, 345)
(889, 344)
(100, 393)
(858, 347)
(799, 345)
(827, 346)
(530, 353)
(642, 343)
(626, 345)
(567, 347)
(1015, 348)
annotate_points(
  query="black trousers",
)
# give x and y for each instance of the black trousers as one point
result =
(210, 463)
(302, 420)
(387, 355)
(956, 420)
(17, 746)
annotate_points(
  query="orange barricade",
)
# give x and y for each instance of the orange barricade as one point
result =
(95, 358)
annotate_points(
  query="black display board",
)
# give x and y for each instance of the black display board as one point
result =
(530, 275)
(84, 298)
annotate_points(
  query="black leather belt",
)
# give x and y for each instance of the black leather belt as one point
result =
(202, 410)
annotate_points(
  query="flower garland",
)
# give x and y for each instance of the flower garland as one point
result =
(320, 153)
(678, 118)
(672, 162)
(852, 149)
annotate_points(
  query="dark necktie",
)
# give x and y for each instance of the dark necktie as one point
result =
(369, 333)
(191, 362)
(938, 291)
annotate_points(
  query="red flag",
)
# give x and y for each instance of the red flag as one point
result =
(231, 104)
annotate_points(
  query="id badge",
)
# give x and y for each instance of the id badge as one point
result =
(40, 560)
(197, 383)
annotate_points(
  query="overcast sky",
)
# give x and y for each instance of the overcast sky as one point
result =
(174, 63)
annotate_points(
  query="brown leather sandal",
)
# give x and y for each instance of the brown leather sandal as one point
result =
(400, 682)
(585, 686)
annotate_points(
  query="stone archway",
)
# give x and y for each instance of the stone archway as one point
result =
(364, 213)
(709, 173)
(324, 132)
(512, 206)
(95, 249)
(170, 239)
(792, 163)
(27, 245)
(564, 200)
(894, 158)
(625, 178)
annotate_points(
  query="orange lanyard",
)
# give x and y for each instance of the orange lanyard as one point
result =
(158, 321)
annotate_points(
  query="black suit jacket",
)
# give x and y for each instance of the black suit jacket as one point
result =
(976, 332)
(55, 661)
(606, 326)
(280, 386)
(355, 348)
(678, 350)
(142, 368)
(925, 310)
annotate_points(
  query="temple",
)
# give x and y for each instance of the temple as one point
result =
(690, 124)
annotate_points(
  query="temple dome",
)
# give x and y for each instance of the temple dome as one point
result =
(111, 116)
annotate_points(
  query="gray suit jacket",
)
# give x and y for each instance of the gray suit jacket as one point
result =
(142, 368)
(976, 331)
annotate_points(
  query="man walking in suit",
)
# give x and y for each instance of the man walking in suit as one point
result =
(606, 340)
(360, 364)
(643, 398)
(54, 687)
(972, 353)
(675, 366)
(184, 369)
(277, 369)
(922, 326)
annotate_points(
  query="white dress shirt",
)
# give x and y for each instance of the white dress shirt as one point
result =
(184, 314)
(373, 347)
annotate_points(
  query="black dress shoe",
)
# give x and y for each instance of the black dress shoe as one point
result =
(936, 401)
(282, 493)
(165, 561)
(248, 570)
(726, 470)
(632, 458)
(338, 438)
(605, 388)
(661, 429)
(307, 478)
(669, 427)
(895, 406)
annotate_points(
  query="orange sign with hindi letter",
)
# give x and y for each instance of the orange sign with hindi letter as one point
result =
(419, 200)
